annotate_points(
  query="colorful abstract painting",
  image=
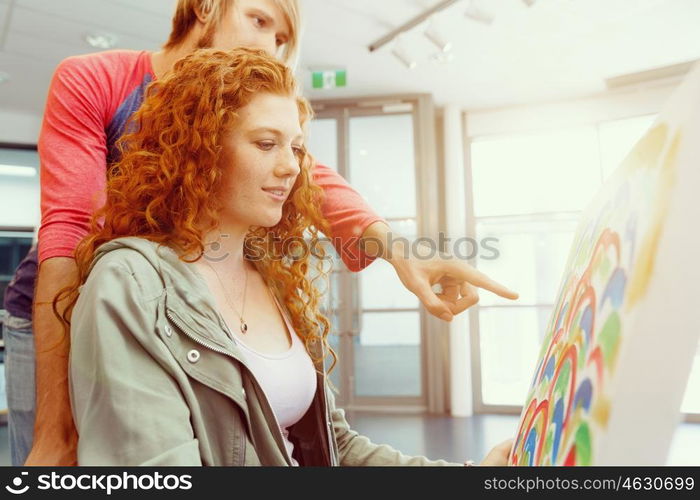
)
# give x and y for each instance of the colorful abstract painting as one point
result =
(619, 345)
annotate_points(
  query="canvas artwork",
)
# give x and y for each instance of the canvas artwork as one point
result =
(619, 346)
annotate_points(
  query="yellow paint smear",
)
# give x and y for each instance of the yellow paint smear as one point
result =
(644, 265)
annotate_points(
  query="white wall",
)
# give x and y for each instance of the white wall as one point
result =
(586, 111)
(19, 128)
(461, 397)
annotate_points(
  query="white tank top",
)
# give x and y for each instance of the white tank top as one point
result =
(288, 379)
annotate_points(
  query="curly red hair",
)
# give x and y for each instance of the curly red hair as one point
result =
(161, 188)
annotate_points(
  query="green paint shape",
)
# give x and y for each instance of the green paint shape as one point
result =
(583, 445)
(604, 268)
(548, 444)
(609, 339)
(563, 381)
(583, 257)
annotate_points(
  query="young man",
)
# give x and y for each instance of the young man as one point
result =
(90, 99)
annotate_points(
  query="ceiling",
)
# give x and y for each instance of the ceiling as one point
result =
(554, 50)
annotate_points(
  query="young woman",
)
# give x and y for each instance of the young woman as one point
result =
(196, 336)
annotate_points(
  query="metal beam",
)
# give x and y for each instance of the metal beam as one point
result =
(410, 24)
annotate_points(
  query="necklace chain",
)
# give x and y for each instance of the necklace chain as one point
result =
(244, 325)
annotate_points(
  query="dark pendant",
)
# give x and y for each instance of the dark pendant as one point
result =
(244, 327)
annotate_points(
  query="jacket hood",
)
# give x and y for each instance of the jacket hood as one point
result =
(187, 293)
(156, 254)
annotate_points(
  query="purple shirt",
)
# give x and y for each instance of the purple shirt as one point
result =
(20, 291)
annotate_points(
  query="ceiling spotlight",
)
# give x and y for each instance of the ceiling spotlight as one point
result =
(434, 35)
(442, 57)
(4, 77)
(529, 3)
(402, 55)
(477, 14)
(101, 40)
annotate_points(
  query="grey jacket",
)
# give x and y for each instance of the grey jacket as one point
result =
(156, 379)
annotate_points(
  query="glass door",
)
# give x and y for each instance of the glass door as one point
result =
(377, 323)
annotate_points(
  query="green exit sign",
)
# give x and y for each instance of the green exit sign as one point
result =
(329, 79)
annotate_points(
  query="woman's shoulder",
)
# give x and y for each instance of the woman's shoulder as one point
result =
(127, 261)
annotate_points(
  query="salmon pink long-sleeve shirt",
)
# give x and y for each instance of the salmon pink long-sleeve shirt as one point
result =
(90, 99)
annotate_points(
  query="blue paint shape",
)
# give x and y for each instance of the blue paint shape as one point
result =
(557, 421)
(584, 395)
(587, 323)
(549, 369)
(561, 317)
(531, 445)
(615, 289)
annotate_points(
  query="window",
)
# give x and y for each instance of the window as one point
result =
(19, 187)
(19, 207)
(530, 190)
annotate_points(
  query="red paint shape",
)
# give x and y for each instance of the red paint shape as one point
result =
(571, 457)
(597, 357)
(543, 408)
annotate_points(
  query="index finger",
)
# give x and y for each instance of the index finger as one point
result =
(464, 271)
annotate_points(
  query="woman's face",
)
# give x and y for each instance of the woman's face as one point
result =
(260, 160)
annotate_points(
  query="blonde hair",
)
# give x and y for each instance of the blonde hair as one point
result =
(185, 18)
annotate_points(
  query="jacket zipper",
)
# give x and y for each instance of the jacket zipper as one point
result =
(266, 403)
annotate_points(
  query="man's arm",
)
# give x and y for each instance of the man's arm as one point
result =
(348, 215)
(55, 437)
(360, 236)
(420, 270)
(72, 152)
